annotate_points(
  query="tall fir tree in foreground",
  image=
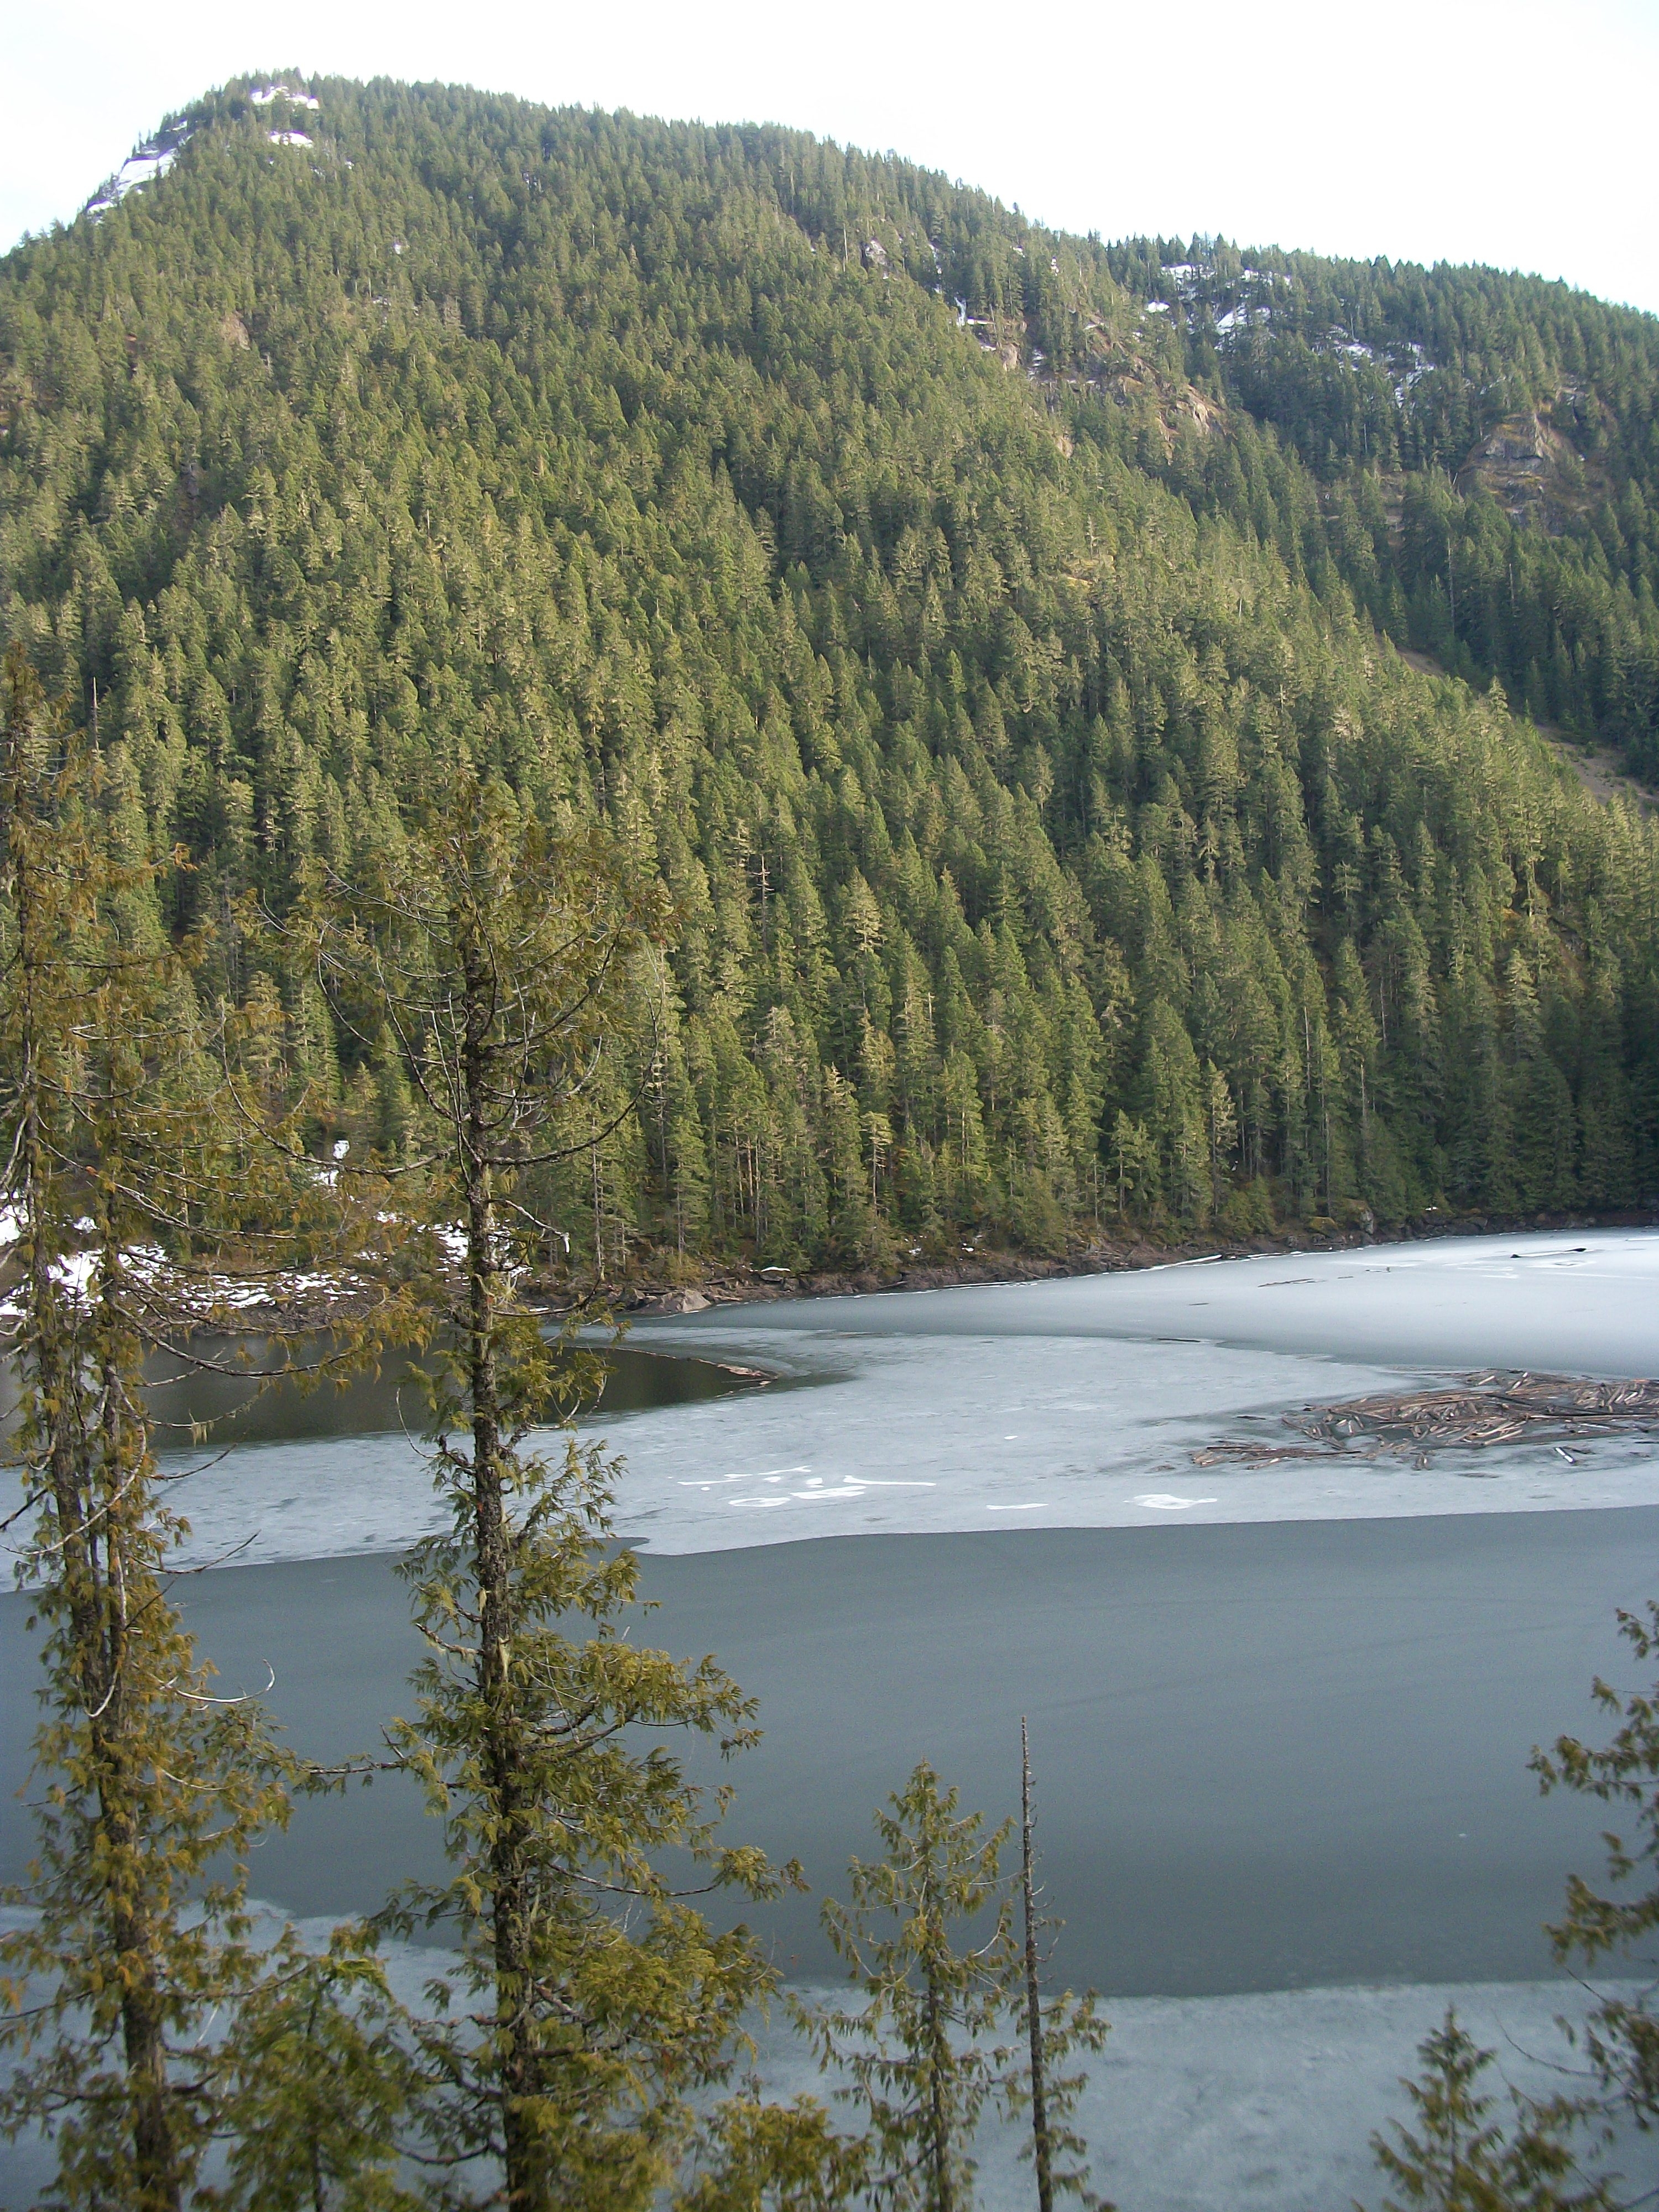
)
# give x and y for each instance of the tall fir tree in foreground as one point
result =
(151, 1788)
(484, 955)
(141, 1166)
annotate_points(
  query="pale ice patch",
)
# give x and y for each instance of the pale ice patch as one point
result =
(889, 1414)
(1263, 2102)
(289, 138)
(1123, 1377)
(883, 1434)
(1570, 1302)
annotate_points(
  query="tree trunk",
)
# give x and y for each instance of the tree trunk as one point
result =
(939, 2120)
(132, 1939)
(939, 2041)
(93, 1609)
(143, 2032)
(156, 2165)
(1040, 2143)
(527, 2189)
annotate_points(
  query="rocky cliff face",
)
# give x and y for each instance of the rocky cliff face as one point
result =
(1534, 471)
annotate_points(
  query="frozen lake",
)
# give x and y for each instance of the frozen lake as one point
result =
(1281, 1714)
(1071, 1404)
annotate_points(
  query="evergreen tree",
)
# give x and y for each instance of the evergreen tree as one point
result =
(1054, 2033)
(919, 2050)
(153, 1788)
(1464, 2160)
(323, 2081)
(597, 1999)
(1621, 2036)
(930, 1942)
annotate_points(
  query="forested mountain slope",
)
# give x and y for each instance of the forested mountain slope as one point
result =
(1484, 451)
(976, 655)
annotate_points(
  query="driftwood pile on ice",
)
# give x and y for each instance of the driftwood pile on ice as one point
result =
(1488, 1409)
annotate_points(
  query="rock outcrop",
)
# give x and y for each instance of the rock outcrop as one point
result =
(1534, 472)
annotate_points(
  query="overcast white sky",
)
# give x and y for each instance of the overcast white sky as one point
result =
(1497, 130)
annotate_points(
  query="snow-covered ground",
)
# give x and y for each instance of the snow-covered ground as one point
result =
(1077, 1403)
(142, 167)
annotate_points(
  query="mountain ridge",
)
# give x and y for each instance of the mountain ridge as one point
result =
(1056, 841)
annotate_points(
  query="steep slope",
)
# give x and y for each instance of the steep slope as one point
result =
(1053, 838)
(1485, 449)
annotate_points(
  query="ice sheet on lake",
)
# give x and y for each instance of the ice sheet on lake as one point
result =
(944, 1432)
(1262, 2104)
(1074, 1403)
(1267, 2104)
(1060, 1399)
(1573, 1302)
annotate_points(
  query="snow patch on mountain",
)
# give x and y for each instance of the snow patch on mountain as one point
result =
(142, 167)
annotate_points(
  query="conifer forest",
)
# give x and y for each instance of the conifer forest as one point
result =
(989, 640)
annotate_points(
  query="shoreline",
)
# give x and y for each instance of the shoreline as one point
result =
(739, 1283)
